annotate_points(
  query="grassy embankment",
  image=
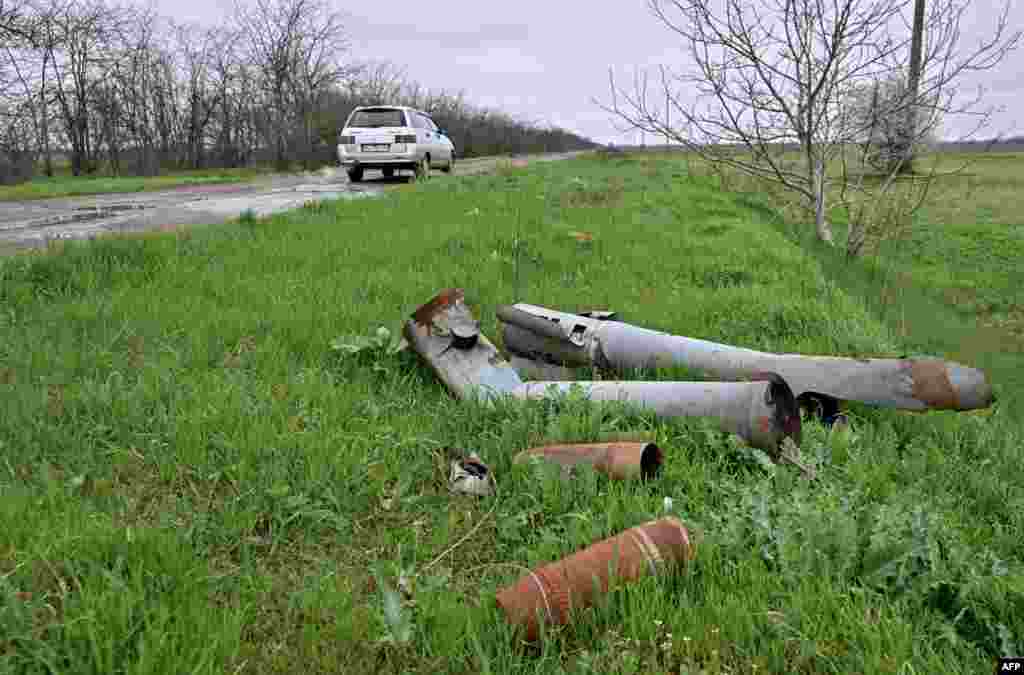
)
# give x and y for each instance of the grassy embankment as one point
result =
(62, 185)
(193, 480)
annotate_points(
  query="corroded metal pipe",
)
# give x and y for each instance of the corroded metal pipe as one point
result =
(762, 412)
(550, 336)
(470, 366)
(550, 593)
(443, 332)
(618, 461)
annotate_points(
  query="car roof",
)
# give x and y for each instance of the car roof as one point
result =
(390, 107)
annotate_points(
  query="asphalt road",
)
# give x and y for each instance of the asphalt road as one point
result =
(28, 224)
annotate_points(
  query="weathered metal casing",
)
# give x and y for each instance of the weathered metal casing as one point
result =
(555, 337)
(619, 461)
(762, 413)
(549, 594)
(469, 365)
(443, 332)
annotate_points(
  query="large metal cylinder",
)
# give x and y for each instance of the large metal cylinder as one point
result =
(762, 413)
(554, 337)
(444, 334)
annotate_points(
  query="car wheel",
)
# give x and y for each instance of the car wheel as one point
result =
(389, 173)
(423, 169)
(451, 164)
(355, 175)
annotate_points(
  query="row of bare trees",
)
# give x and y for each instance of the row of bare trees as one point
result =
(119, 89)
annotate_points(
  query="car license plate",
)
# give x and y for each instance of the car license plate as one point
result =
(376, 148)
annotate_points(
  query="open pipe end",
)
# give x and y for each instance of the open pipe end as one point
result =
(651, 458)
(785, 410)
(822, 406)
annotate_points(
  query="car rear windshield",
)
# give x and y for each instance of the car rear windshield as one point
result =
(379, 117)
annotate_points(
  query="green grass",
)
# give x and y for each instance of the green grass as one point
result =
(968, 243)
(72, 186)
(192, 480)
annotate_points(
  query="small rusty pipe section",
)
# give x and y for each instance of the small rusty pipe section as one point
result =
(619, 461)
(549, 594)
(906, 384)
(444, 333)
(762, 413)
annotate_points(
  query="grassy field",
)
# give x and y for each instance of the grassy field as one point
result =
(968, 243)
(73, 186)
(193, 480)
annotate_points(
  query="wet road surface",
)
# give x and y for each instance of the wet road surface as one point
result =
(28, 224)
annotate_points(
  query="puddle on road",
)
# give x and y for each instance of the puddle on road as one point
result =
(83, 222)
(107, 209)
(80, 214)
(332, 191)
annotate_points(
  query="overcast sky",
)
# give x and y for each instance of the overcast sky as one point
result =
(545, 60)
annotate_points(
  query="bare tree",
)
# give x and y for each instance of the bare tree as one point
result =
(296, 46)
(15, 22)
(22, 85)
(232, 99)
(773, 77)
(194, 48)
(79, 36)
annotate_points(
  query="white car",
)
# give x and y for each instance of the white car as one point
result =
(391, 138)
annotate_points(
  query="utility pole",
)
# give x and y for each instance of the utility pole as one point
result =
(913, 86)
(667, 117)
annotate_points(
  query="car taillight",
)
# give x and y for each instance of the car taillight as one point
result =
(347, 140)
(405, 139)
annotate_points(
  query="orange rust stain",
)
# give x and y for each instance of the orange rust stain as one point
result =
(932, 385)
(442, 301)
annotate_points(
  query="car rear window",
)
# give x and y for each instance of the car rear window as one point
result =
(381, 117)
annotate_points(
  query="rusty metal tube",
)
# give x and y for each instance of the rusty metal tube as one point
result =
(762, 413)
(619, 461)
(906, 383)
(550, 593)
(443, 333)
(468, 367)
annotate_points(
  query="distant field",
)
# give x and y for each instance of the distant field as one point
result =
(192, 480)
(967, 245)
(71, 186)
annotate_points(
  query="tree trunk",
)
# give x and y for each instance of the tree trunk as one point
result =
(44, 130)
(824, 229)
